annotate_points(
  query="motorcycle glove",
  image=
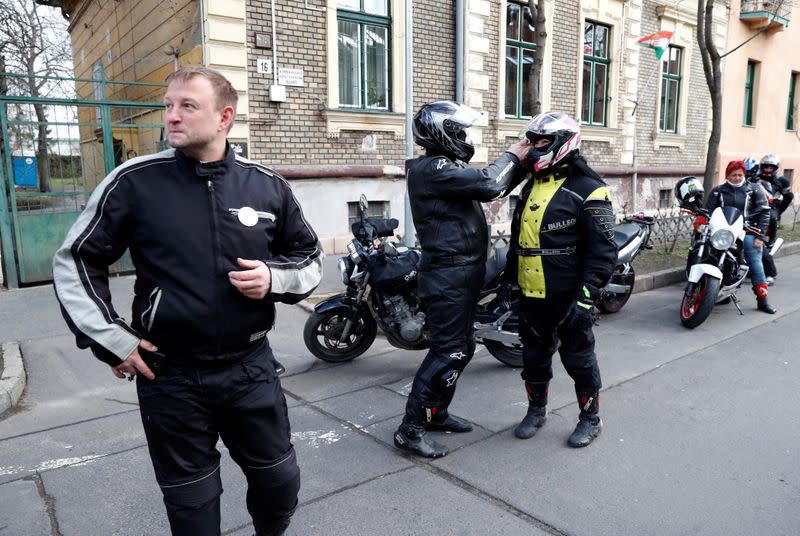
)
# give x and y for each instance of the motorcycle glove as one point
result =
(578, 317)
(504, 296)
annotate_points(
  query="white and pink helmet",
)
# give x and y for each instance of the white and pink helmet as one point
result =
(565, 134)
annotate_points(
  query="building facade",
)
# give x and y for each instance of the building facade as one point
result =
(761, 87)
(323, 87)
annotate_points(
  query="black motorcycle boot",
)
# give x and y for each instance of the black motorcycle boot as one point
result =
(761, 299)
(537, 410)
(589, 423)
(448, 423)
(412, 437)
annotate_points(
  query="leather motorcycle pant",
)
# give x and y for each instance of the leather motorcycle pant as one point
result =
(543, 322)
(187, 408)
(450, 295)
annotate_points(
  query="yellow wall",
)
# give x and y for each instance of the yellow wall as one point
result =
(777, 52)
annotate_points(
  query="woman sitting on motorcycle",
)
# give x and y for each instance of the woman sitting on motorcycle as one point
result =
(752, 201)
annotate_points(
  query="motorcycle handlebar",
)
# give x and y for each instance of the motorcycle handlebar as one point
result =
(368, 229)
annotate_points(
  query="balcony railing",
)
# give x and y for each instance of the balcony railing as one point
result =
(766, 13)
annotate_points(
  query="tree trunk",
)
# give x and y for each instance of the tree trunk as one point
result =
(540, 40)
(3, 91)
(713, 73)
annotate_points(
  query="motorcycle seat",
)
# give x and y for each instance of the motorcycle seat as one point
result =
(624, 233)
(495, 264)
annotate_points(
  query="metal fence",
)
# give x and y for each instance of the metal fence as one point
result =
(55, 148)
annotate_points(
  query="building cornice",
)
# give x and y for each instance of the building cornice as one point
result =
(679, 12)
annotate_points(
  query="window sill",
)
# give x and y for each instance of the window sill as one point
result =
(669, 140)
(510, 128)
(338, 120)
(600, 134)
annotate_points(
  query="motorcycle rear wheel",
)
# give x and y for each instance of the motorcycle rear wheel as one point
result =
(323, 330)
(612, 303)
(508, 355)
(696, 307)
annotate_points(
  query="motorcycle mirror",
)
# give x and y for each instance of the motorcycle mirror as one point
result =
(363, 203)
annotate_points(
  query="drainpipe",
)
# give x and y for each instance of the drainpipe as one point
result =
(202, 32)
(408, 223)
(274, 45)
(634, 163)
(460, 51)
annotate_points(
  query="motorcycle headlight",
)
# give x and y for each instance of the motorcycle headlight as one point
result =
(344, 270)
(722, 239)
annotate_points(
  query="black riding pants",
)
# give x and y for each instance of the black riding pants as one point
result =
(543, 322)
(450, 295)
(187, 408)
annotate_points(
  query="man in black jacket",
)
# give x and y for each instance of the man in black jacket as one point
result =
(561, 254)
(215, 240)
(446, 200)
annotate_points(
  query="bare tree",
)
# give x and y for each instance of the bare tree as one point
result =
(712, 60)
(713, 72)
(540, 40)
(35, 45)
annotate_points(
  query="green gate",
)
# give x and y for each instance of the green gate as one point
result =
(55, 150)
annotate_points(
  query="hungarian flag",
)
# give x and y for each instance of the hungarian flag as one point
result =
(657, 41)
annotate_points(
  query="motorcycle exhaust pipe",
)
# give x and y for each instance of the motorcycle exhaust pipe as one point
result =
(613, 288)
(776, 246)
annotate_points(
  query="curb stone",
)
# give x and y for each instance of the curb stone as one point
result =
(12, 381)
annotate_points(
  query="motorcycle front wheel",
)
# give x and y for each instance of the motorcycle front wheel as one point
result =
(508, 355)
(612, 303)
(323, 331)
(699, 301)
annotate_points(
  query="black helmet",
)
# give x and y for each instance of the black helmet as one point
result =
(565, 134)
(441, 127)
(689, 191)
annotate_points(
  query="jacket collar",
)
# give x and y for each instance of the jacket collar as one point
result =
(208, 169)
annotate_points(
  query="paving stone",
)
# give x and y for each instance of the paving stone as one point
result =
(410, 502)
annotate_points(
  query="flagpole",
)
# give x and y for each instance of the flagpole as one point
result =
(635, 174)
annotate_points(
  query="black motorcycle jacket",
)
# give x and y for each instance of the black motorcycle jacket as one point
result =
(749, 198)
(446, 204)
(781, 190)
(562, 233)
(185, 224)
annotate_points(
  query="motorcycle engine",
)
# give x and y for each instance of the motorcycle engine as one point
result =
(409, 324)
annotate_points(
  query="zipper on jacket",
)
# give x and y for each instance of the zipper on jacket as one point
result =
(215, 251)
(149, 315)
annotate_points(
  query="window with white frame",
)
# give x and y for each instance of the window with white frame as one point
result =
(364, 37)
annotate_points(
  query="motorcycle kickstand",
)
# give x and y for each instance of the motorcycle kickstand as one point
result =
(735, 300)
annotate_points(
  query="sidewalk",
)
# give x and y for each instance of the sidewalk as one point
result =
(12, 379)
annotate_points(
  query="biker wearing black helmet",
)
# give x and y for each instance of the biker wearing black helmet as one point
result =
(780, 195)
(561, 253)
(781, 187)
(446, 198)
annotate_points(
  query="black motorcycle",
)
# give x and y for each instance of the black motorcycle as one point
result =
(381, 281)
(631, 236)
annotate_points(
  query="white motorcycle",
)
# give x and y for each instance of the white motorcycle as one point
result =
(716, 266)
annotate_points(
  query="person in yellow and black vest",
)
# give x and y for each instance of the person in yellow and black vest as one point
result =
(562, 252)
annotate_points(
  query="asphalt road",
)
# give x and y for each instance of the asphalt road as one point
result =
(701, 435)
